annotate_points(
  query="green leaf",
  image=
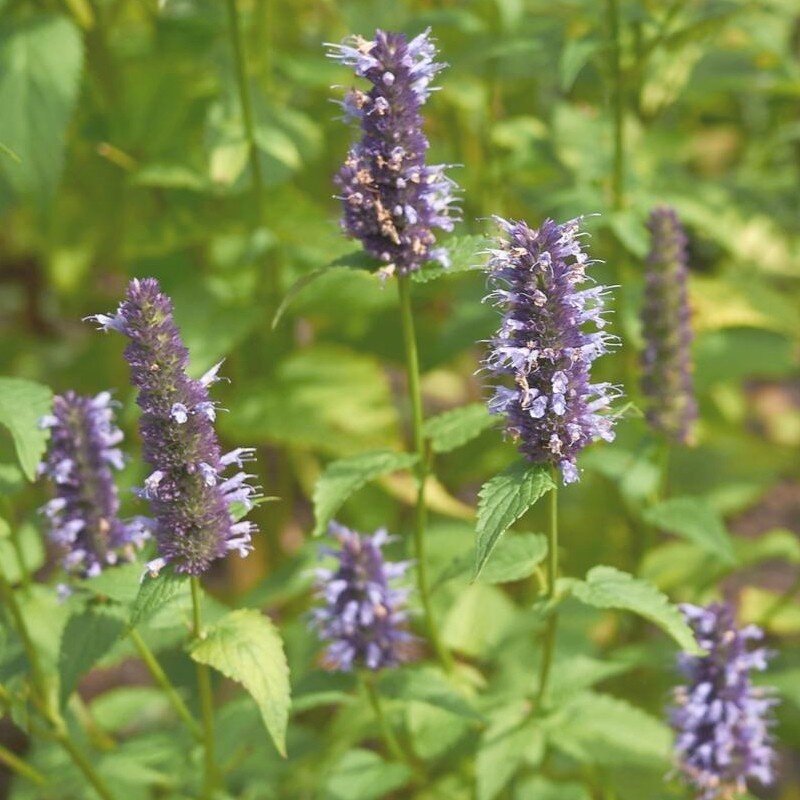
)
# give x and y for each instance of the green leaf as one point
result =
(502, 501)
(156, 592)
(364, 775)
(427, 685)
(342, 478)
(11, 479)
(577, 672)
(465, 256)
(478, 620)
(455, 428)
(87, 637)
(504, 747)
(31, 547)
(695, 520)
(607, 587)
(120, 584)
(599, 729)
(515, 557)
(245, 646)
(40, 66)
(22, 404)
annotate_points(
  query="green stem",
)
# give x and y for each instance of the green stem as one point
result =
(206, 696)
(160, 677)
(418, 440)
(548, 645)
(618, 106)
(246, 101)
(10, 601)
(15, 763)
(392, 744)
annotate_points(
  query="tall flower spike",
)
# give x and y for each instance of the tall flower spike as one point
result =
(721, 720)
(195, 506)
(666, 322)
(392, 200)
(362, 617)
(541, 356)
(84, 514)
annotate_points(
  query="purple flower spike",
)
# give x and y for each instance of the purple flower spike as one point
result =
(362, 618)
(195, 505)
(666, 322)
(84, 514)
(392, 200)
(541, 355)
(721, 720)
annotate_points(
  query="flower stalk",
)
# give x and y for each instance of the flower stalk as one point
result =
(421, 469)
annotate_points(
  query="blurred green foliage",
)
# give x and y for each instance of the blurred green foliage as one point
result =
(123, 152)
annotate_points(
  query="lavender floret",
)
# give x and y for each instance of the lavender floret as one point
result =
(666, 326)
(81, 457)
(196, 507)
(362, 618)
(541, 356)
(392, 200)
(721, 720)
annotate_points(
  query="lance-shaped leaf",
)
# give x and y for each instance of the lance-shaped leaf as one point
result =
(22, 404)
(503, 500)
(607, 587)
(341, 478)
(245, 646)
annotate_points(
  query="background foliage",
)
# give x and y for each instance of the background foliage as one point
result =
(123, 153)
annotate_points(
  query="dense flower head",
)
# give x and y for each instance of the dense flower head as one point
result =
(721, 720)
(666, 323)
(392, 200)
(541, 356)
(362, 616)
(195, 506)
(81, 457)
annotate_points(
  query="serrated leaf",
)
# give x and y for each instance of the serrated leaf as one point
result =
(22, 404)
(245, 646)
(427, 685)
(607, 587)
(464, 252)
(87, 637)
(693, 519)
(452, 429)
(341, 478)
(599, 729)
(502, 501)
(156, 592)
(364, 775)
(40, 65)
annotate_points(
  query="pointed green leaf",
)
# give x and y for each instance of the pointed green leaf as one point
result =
(156, 592)
(607, 587)
(245, 646)
(503, 500)
(22, 404)
(693, 519)
(455, 428)
(87, 637)
(342, 478)
(515, 557)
